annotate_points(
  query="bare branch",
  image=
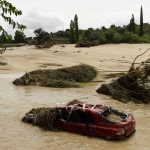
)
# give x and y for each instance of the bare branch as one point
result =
(132, 66)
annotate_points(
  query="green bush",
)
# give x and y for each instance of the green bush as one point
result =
(102, 39)
(129, 37)
(109, 36)
(145, 39)
(117, 38)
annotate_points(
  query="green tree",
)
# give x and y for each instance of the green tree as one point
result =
(72, 40)
(5, 38)
(141, 22)
(86, 36)
(76, 28)
(109, 35)
(7, 10)
(113, 27)
(103, 28)
(42, 36)
(19, 37)
(132, 25)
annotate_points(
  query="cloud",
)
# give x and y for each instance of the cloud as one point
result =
(33, 20)
(49, 22)
(56, 15)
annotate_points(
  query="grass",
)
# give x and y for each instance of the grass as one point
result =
(59, 78)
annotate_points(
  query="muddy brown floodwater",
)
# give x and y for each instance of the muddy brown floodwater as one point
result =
(16, 101)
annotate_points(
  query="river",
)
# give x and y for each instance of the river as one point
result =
(16, 101)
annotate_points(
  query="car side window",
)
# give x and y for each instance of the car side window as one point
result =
(80, 116)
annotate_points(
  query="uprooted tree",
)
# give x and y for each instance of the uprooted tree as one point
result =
(134, 86)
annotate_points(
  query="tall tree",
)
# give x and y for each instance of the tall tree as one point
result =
(141, 22)
(72, 36)
(19, 37)
(76, 28)
(131, 26)
(42, 36)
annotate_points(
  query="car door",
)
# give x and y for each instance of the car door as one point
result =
(79, 122)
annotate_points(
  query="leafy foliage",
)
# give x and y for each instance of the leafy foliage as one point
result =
(5, 38)
(7, 10)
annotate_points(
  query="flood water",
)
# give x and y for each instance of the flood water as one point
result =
(16, 101)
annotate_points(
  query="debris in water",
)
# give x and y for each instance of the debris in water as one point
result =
(133, 86)
(60, 78)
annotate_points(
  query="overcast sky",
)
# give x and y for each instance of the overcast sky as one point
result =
(53, 15)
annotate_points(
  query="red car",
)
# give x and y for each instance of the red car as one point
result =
(96, 120)
(87, 119)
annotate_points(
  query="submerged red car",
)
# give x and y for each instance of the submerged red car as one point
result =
(87, 119)
(96, 120)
